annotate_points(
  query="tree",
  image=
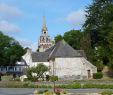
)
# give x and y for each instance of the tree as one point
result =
(73, 38)
(38, 72)
(58, 38)
(110, 45)
(10, 50)
(97, 27)
(53, 79)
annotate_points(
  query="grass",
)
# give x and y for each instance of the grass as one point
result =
(72, 85)
(107, 92)
(6, 78)
(100, 86)
(69, 86)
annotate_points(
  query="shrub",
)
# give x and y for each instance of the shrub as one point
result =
(26, 79)
(25, 85)
(98, 75)
(48, 93)
(34, 79)
(106, 93)
(17, 79)
(63, 92)
(40, 92)
(47, 77)
(54, 78)
(46, 90)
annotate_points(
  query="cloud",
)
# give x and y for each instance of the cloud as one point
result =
(9, 10)
(34, 46)
(5, 26)
(76, 18)
(26, 43)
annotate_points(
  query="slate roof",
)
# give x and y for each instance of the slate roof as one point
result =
(61, 49)
(82, 53)
(40, 56)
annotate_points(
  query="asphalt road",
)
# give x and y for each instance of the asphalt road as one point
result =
(29, 91)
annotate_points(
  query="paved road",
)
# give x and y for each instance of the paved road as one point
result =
(29, 91)
(16, 91)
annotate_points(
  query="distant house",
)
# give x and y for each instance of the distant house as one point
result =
(17, 69)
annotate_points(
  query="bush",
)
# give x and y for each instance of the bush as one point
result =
(26, 79)
(46, 90)
(48, 93)
(47, 77)
(17, 79)
(98, 75)
(25, 85)
(54, 78)
(106, 93)
(34, 79)
(40, 92)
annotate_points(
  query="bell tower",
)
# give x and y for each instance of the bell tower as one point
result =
(45, 41)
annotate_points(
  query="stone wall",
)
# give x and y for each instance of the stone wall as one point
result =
(71, 68)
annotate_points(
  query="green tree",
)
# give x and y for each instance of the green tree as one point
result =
(29, 73)
(39, 70)
(10, 50)
(97, 27)
(58, 38)
(110, 45)
(73, 37)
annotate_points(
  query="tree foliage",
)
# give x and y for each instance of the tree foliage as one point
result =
(96, 39)
(58, 38)
(38, 72)
(72, 37)
(98, 27)
(10, 50)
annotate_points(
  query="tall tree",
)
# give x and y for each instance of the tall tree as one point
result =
(58, 38)
(110, 45)
(10, 50)
(97, 26)
(73, 37)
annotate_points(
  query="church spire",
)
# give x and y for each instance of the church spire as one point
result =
(45, 42)
(44, 27)
(44, 21)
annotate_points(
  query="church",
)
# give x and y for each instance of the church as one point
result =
(63, 61)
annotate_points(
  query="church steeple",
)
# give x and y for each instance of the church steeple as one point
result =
(45, 41)
(44, 27)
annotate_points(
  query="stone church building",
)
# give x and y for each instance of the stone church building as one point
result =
(63, 61)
